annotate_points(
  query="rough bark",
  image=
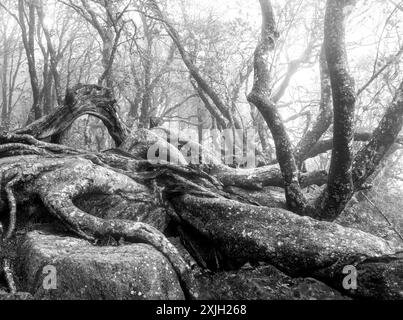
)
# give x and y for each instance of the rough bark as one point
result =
(56, 177)
(299, 246)
(340, 184)
(260, 97)
(257, 178)
(58, 182)
(325, 145)
(82, 99)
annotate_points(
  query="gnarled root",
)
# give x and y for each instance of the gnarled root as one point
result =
(8, 275)
(299, 246)
(79, 177)
(12, 204)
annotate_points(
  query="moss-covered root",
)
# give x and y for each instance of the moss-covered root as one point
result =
(59, 188)
(299, 246)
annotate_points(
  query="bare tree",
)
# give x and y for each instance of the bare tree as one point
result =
(109, 25)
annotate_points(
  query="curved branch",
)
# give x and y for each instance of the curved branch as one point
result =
(81, 100)
(340, 184)
(260, 97)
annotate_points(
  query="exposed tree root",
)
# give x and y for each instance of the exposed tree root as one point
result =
(239, 230)
(12, 204)
(59, 181)
(8, 274)
(299, 246)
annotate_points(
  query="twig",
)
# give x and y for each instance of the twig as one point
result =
(383, 215)
(377, 73)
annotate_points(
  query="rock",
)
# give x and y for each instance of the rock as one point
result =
(85, 271)
(263, 283)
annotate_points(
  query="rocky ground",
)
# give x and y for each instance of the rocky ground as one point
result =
(138, 271)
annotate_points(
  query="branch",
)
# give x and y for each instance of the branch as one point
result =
(53, 55)
(260, 97)
(178, 105)
(292, 68)
(212, 109)
(82, 99)
(340, 184)
(193, 70)
(325, 145)
(369, 157)
(376, 74)
(325, 116)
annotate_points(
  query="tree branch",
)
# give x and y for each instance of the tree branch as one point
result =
(194, 72)
(340, 184)
(369, 157)
(260, 97)
(325, 116)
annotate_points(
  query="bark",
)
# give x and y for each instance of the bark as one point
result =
(299, 246)
(325, 145)
(260, 97)
(56, 177)
(215, 113)
(258, 178)
(146, 144)
(340, 184)
(58, 182)
(83, 99)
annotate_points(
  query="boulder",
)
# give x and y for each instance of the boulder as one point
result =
(85, 271)
(263, 283)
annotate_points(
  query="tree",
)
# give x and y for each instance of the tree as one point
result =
(11, 64)
(211, 203)
(109, 24)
